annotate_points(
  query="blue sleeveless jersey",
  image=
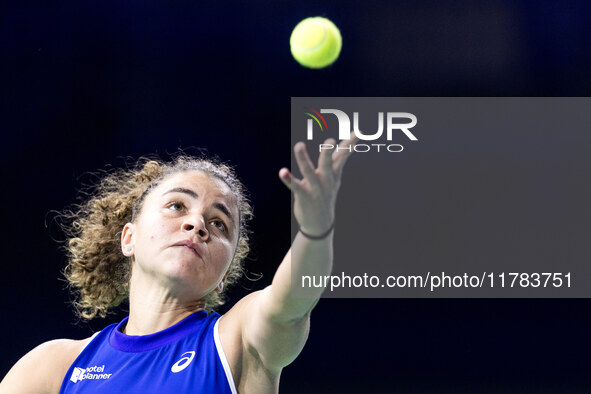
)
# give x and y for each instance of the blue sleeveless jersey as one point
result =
(184, 358)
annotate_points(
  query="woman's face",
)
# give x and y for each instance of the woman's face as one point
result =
(186, 233)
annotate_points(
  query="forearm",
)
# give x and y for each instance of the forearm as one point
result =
(277, 319)
(314, 206)
(306, 257)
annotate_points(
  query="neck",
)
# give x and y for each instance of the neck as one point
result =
(153, 308)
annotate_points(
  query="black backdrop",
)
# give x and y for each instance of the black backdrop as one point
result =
(86, 83)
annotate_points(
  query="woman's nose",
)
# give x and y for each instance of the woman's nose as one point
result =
(196, 224)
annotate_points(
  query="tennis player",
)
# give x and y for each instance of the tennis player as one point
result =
(170, 238)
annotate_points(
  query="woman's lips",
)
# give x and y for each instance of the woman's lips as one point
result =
(190, 245)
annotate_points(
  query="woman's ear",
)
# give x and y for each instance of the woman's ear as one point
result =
(128, 240)
(220, 286)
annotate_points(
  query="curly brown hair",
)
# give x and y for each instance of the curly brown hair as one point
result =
(97, 271)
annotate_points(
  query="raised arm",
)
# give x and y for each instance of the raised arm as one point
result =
(275, 322)
(314, 209)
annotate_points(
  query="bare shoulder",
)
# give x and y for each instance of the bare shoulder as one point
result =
(49, 361)
(256, 346)
(248, 372)
(230, 334)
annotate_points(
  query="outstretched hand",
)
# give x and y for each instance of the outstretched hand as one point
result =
(316, 193)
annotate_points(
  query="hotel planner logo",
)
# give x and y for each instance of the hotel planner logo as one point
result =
(91, 373)
(394, 124)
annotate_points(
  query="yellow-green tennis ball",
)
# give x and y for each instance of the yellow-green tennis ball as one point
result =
(315, 42)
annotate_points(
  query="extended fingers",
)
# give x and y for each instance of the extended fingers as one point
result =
(345, 150)
(325, 158)
(304, 163)
(330, 161)
(288, 180)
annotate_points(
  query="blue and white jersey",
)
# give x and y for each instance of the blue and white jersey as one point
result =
(184, 358)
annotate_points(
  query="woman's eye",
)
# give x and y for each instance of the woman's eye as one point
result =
(219, 225)
(176, 206)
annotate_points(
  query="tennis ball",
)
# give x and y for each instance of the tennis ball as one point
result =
(315, 42)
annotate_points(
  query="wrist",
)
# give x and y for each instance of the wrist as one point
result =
(317, 236)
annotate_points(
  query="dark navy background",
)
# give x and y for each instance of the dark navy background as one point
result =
(86, 83)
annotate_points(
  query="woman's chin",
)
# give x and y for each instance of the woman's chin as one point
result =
(183, 275)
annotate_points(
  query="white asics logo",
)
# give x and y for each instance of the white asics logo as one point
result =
(184, 362)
